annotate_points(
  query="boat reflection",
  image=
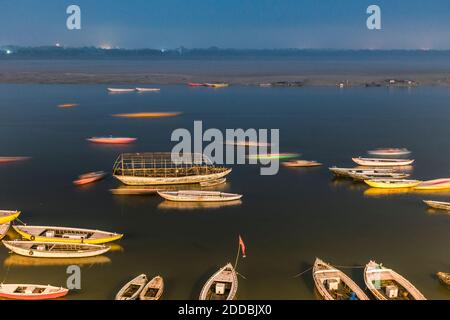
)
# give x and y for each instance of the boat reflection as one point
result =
(116, 248)
(15, 260)
(380, 192)
(197, 205)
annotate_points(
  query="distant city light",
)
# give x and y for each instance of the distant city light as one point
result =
(105, 47)
(58, 44)
(8, 51)
(163, 50)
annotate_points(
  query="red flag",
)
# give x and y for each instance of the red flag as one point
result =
(241, 243)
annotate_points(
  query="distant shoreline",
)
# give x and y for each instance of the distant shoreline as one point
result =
(347, 79)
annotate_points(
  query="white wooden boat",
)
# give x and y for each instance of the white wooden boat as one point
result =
(153, 289)
(31, 291)
(386, 284)
(55, 249)
(222, 285)
(382, 162)
(389, 152)
(199, 196)
(120, 90)
(301, 163)
(132, 289)
(213, 183)
(8, 216)
(392, 183)
(333, 284)
(436, 184)
(4, 229)
(438, 204)
(12, 159)
(68, 235)
(148, 89)
(345, 172)
(362, 176)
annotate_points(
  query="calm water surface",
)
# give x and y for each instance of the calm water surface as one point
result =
(286, 220)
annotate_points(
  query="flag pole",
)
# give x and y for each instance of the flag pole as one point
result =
(237, 256)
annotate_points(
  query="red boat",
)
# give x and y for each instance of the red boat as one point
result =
(31, 291)
(112, 140)
(194, 84)
(89, 178)
(12, 159)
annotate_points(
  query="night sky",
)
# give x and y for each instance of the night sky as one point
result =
(413, 24)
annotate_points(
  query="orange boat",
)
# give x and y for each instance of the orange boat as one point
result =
(67, 105)
(89, 178)
(147, 115)
(12, 159)
(112, 140)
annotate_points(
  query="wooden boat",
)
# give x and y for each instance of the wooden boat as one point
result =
(345, 172)
(153, 290)
(140, 169)
(217, 85)
(301, 163)
(147, 115)
(386, 284)
(12, 159)
(381, 162)
(55, 249)
(393, 175)
(67, 235)
(132, 289)
(133, 191)
(31, 291)
(333, 284)
(444, 278)
(148, 89)
(438, 204)
(4, 229)
(437, 184)
(112, 140)
(392, 183)
(89, 178)
(67, 105)
(8, 215)
(213, 183)
(389, 152)
(195, 84)
(120, 90)
(222, 285)
(199, 196)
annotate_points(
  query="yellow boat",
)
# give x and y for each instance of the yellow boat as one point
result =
(217, 85)
(8, 215)
(68, 235)
(392, 183)
(437, 184)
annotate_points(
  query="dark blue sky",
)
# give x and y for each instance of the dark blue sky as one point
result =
(228, 23)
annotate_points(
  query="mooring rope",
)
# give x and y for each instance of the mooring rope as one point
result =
(302, 273)
(342, 267)
(241, 275)
(21, 221)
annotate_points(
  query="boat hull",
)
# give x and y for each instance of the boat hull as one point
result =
(149, 181)
(49, 254)
(382, 162)
(27, 236)
(54, 294)
(384, 185)
(9, 217)
(199, 198)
